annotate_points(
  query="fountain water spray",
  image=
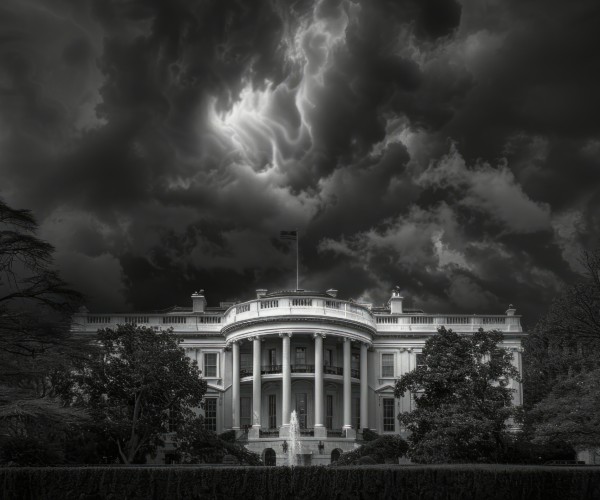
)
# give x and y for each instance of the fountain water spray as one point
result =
(295, 446)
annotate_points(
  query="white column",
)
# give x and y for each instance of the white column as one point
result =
(347, 388)
(320, 430)
(364, 395)
(235, 385)
(256, 387)
(286, 384)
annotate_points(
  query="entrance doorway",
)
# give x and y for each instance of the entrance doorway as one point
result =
(269, 456)
(301, 409)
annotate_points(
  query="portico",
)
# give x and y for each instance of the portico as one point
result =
(309, 369)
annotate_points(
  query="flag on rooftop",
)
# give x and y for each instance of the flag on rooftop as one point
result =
(288, 235)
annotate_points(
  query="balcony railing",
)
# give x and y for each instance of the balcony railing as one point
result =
(299, 368)
(303, 368)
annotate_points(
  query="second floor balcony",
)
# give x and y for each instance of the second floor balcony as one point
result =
(298, 368)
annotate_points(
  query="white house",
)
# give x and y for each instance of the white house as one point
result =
(333, 361)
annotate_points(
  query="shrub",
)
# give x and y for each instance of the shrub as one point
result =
(27, 451)
(519, 450)
(366, 460)
(381, 449)
(490, 482)
(227, 436)
(207, 447)
(369, 435)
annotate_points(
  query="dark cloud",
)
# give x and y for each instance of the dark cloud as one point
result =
(447, 147)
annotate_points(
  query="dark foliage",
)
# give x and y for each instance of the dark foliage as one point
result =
(35, 339)
(28, 451)
(369, 435)
(140, 387)
(198, 445)
(227, 436)
(381, 450)
(562, 364)
(463, 399)
(490, 482)
(519, 450)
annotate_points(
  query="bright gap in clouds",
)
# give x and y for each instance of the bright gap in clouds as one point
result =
(271, 125)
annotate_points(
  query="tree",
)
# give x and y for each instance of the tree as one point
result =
(566, 341)
(570, 412)
(562, 364)
(138, 388)
(35, 339)
(462, 398)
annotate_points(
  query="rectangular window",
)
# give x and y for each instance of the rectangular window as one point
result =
(272, 357)
(272, 411)
(245, 412)
(300, 358)
(210, 414)
(245, 364)
(355, 361)
(329, 412)
(389, 419)
(210, 364)
(328, 357)
(301, 409)
(420, 360)
(387, 365)
(356, 413)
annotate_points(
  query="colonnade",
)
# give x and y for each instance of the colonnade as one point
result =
(319, 424)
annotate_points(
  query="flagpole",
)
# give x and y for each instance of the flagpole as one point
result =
(297, 272)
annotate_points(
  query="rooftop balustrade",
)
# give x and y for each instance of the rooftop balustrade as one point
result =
(269, 307)
(459, 323)
(313, 307)
(209, 323)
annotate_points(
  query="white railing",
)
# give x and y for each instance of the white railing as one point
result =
(179, 322)
(458, 323)
(269, 307)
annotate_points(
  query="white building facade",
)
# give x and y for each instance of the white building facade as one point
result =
(333, 361)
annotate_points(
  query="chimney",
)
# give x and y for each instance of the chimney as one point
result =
(332, 292)
(511, 310)
(396, 301)
(261, 292)
(198, 302)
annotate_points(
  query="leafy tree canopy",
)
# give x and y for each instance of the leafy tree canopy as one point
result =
(462, 398)
(141, 386)
(566, 341)
(570, 412)
(35, 339)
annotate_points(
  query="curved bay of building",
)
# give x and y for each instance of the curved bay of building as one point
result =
(333, 361)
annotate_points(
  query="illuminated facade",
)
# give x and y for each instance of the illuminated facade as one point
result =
(333, 361)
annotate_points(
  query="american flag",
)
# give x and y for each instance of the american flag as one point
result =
(288, 235)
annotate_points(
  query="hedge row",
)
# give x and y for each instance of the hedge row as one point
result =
(414, 482)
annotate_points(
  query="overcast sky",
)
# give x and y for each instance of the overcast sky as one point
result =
(449, 147)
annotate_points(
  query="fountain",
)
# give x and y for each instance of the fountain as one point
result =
(295, 446)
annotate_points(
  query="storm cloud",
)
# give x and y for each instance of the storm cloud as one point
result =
(448, 147)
